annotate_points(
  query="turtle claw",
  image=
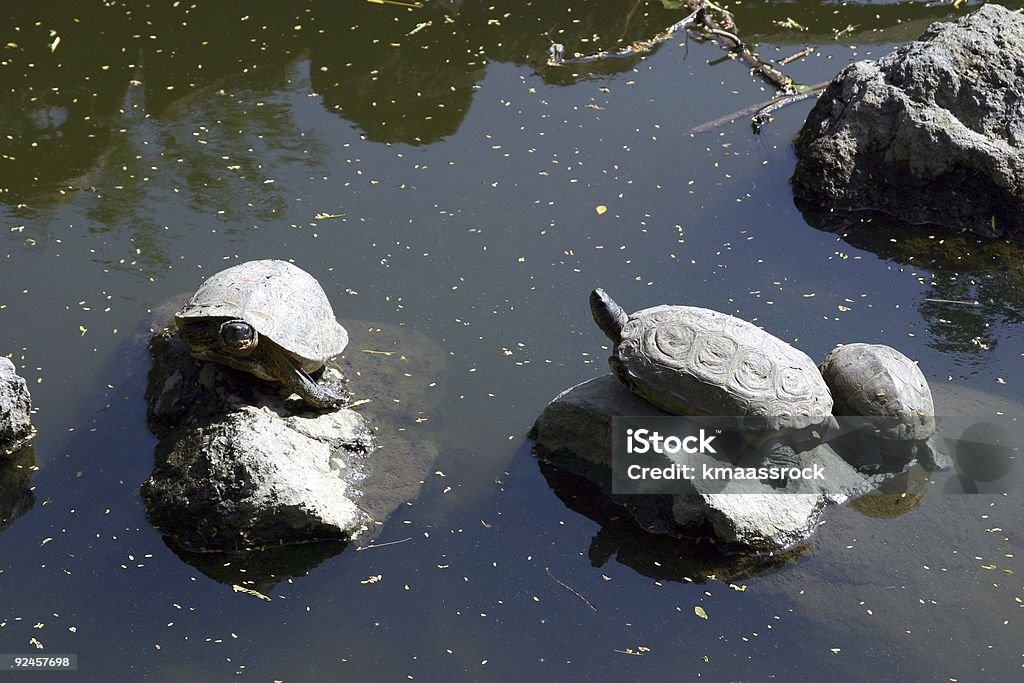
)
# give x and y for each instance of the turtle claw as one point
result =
(338, 391)
(329, 395)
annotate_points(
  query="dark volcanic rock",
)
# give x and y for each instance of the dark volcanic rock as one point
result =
(15, 408)
(931, 133)
(241, 465)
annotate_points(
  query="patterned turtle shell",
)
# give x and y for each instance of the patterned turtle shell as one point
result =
(695, 361)
(881, 383)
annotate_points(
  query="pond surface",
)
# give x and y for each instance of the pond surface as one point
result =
(431, 171)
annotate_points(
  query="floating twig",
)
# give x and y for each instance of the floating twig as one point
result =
(799, 55)
(763, 115)
(721, 29)
(412, 5)
(556, 53)
(381, 545)
(571, 590)
(953, 301)
(724, 30)
(759, 113)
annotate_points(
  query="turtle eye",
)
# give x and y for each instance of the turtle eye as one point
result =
(237, 335)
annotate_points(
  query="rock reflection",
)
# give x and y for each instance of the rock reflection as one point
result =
(16, 494)
(976, 285)
(658, 556)
(260, 570)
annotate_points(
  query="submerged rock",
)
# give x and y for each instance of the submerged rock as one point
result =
(15, 408)
(242, 466)
(931, 133)
(575, 433)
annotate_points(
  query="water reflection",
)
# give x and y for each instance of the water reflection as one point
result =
(975, 287)
(405, 78)
(894, 497)
(819, 23)
(260, 570)
(658, 556)
(63, 77)
(399, 74)
(16, 494)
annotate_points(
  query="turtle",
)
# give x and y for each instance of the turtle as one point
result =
(880, 384)
(721, 369)
(271, 319)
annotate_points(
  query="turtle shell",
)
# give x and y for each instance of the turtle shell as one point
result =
(879, 382)
(283, 302)
(695, 361)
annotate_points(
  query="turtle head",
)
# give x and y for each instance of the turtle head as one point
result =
(238, 337)
(608, 315)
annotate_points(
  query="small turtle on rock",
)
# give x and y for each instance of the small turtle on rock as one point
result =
(726, 371)
(271, 319)
(880, 384)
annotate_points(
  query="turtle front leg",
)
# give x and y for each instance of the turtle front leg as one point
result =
(931, 459)
(295, 379)
(778, 453)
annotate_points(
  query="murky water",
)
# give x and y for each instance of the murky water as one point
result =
(431, 172)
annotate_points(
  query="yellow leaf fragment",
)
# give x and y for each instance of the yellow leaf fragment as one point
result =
(601, 209)
(248, 591)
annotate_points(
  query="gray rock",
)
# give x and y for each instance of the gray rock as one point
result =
(242, 466)
(931, 133)
(575, 433)
(254, 478)
(15, 408)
